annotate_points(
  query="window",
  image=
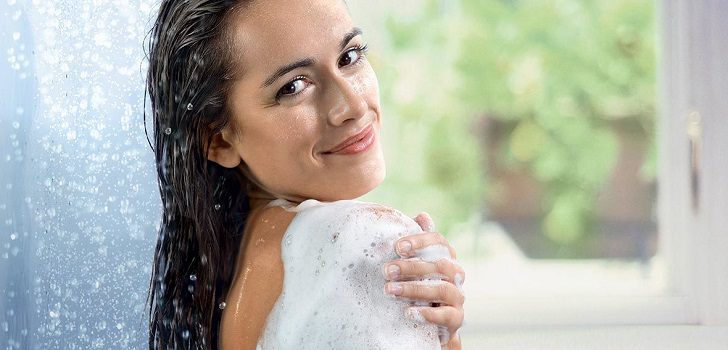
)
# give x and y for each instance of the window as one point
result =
(651, 280)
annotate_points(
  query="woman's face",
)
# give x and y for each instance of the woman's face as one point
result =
(303, 90)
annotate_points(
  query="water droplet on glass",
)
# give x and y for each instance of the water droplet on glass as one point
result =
(222, 305)
(193, 277)
(168, 131)
(190, 106)
(351, 266)
(16, 125)
(288, 242)
(203, 260)
(217, 206)
(185, 334)
(323, 263)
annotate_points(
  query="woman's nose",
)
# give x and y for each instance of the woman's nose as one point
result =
(346, 101)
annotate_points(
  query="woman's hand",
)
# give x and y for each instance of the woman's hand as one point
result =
(428, 275)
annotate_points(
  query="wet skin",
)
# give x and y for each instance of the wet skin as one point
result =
(283, 134)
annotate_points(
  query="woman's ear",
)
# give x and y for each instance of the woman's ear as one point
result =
(222, 150)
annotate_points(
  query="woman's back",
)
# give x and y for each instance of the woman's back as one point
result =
(258, 278)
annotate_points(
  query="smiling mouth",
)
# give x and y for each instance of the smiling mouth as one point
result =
(356, 144)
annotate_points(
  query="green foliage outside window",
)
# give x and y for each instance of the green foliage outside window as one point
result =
(559, 74)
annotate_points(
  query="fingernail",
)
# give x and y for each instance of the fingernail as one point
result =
(404, 247)
(393, 288)
(392, 271)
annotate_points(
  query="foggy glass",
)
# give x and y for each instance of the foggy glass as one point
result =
(78, 196)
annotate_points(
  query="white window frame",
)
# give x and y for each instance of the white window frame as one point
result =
(693, 243)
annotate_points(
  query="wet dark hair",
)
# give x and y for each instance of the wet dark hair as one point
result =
(204, 205)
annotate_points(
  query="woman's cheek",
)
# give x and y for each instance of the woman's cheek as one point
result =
(366, 84)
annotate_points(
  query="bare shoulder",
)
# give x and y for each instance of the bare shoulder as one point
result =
(258, 279)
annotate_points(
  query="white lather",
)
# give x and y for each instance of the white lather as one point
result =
(333, 288)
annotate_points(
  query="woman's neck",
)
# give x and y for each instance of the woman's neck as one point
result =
(259, 197)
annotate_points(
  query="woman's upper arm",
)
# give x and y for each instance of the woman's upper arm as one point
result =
(258, 279)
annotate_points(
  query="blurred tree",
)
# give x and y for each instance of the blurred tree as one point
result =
(559, 73)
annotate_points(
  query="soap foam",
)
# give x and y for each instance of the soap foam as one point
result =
(433, 253)
(333, 255)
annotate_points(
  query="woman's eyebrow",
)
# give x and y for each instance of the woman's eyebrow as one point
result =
(287, 68)
(350, 35)
(307, 61)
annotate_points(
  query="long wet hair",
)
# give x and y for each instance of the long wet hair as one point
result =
(204, 205)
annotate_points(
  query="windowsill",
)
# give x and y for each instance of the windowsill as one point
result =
(600, 337)
(504, 287)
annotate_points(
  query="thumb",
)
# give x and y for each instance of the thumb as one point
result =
(425, 221)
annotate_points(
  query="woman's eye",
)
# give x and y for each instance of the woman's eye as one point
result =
(292, 88)
(351, 56)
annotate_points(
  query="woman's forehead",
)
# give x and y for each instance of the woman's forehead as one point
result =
(270, 33)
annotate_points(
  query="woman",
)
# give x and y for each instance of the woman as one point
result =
(255, 101)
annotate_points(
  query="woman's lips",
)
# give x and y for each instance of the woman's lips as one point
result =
(356, 144)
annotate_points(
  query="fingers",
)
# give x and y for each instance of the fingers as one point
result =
(425, 222)
(429, 291)
(429, 255)
(454, 343)
(426, 245)
(410, 270)
(447, 318)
